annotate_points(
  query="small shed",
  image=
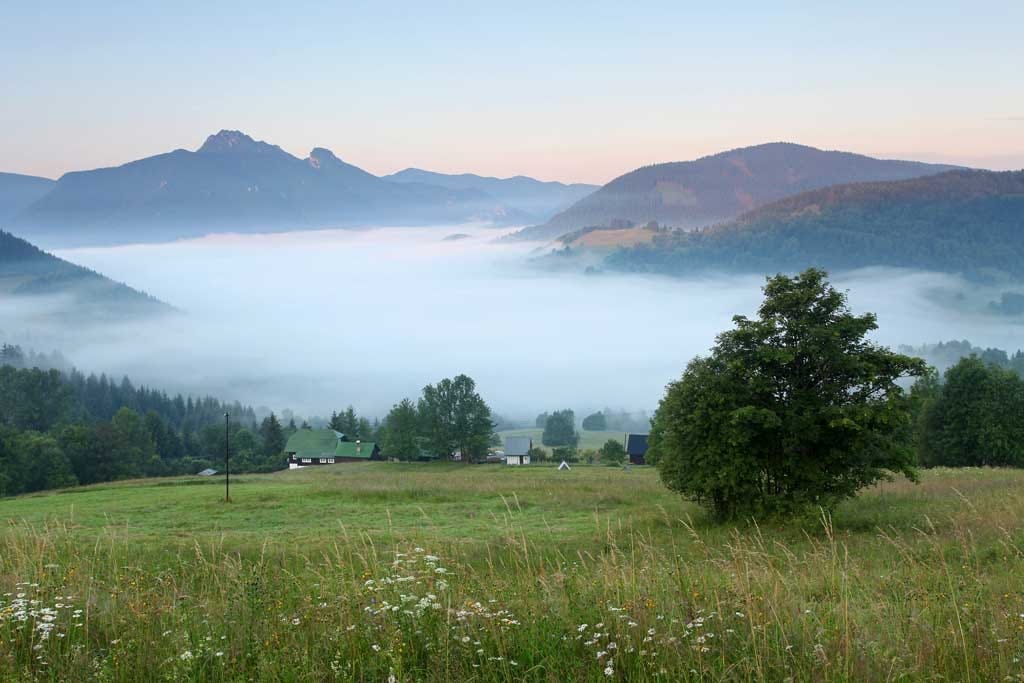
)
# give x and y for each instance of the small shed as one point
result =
(636, 448)
(517, 450)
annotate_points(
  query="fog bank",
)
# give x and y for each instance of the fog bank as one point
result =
(316, 321)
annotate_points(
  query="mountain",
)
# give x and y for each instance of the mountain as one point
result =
(51, 287)
(19, 191)
(693, 194)
(964, 221)
(233, 183)
(532, 200)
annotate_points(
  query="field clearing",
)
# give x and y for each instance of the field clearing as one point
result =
(588, 439)
(441, 571)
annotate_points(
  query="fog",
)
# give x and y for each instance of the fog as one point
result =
(316, 321)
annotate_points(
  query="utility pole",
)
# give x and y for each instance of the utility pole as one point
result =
(227, 459)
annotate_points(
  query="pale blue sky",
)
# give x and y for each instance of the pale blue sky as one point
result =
(568, 91)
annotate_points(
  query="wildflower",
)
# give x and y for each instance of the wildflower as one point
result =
(581, 628)
(185, 656)
(296, 621)
(218, 653)
(376, 647)
(609, 671)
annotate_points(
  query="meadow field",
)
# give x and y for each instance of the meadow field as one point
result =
(431, 572)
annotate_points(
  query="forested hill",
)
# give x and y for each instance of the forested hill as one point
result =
(56, 288)
(60, 428)
(721, 187)
(963, 221)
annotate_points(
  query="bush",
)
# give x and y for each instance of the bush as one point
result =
(613, 452)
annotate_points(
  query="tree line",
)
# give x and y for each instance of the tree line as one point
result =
(59, 428)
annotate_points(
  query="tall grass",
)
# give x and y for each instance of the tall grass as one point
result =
(936, 594)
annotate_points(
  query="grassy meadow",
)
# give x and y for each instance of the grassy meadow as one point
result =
(424, 572)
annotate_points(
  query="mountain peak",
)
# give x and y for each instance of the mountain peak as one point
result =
(229, 141)
(321, 155)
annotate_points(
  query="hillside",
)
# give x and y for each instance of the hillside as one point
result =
(235, 183)
(712, 189)
(964, 221)
(19, 191)
(531, 200)
(52, 288)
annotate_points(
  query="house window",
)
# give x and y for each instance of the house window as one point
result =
(306, 460)
(330, 461)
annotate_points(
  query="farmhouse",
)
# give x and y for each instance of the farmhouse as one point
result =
(636, 448)
(517, 450)
(308, 447)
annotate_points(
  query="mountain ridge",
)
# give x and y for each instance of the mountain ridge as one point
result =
(962, 221)
(234, 182)
(720, 187)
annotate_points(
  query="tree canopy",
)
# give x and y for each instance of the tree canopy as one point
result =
(560, 429)
(456, 419)
(792, 409)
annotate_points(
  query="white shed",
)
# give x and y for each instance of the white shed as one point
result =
(517, 450)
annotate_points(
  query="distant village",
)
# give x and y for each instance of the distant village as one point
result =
(316, 447)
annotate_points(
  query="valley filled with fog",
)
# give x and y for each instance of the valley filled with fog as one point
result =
(316, 321)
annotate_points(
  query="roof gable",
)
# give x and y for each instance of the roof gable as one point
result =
(517, 445)
(313, 443)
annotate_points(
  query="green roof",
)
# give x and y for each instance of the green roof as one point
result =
(351, 449)
(326, 443)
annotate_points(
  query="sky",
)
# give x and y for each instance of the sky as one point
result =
(565, 91)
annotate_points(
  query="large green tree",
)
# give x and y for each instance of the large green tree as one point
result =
(272, 435)
(792, 409)
(400, 431)
(456, 419)
(560, 429)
